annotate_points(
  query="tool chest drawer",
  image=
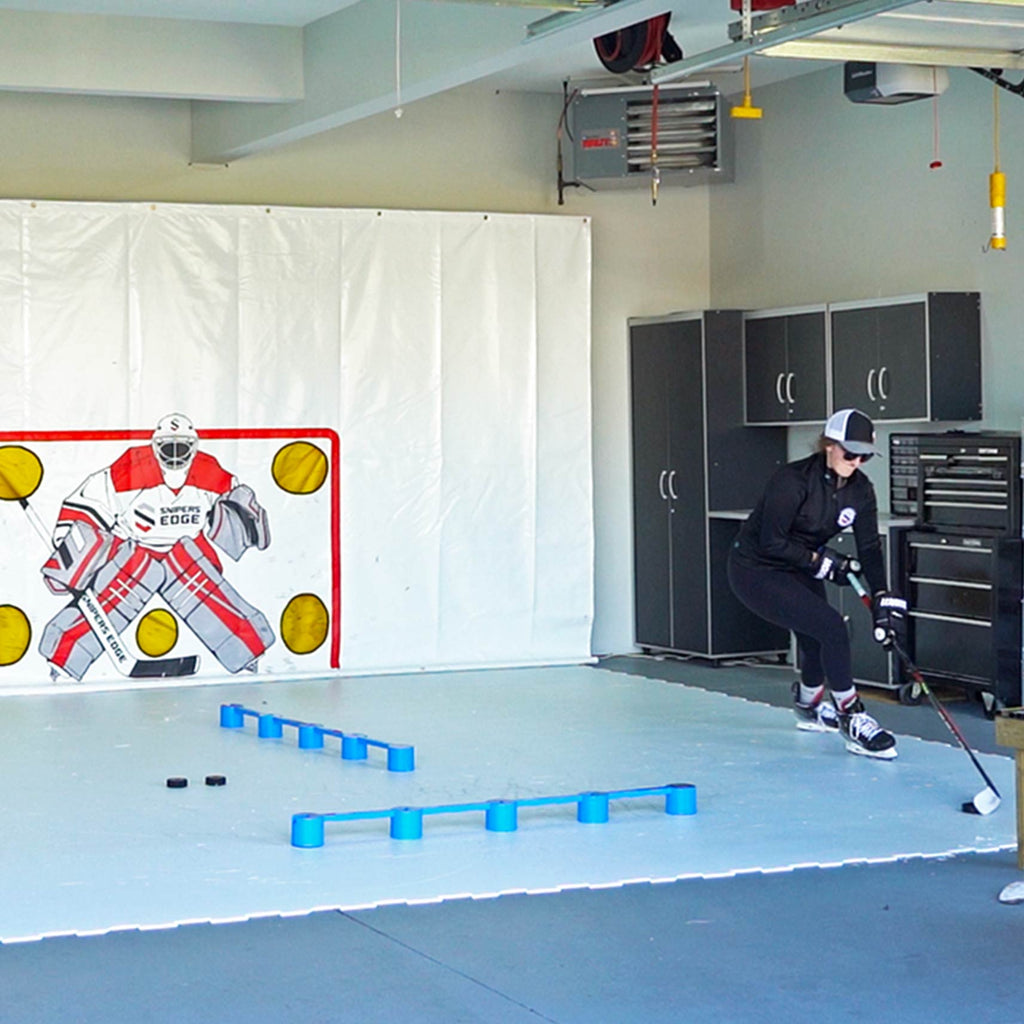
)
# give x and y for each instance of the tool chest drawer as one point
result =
(964, 593)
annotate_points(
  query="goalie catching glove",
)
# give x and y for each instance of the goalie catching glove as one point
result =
(890, 613)
(238, 522)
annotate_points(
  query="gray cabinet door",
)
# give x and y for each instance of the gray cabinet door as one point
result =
(765, 355)
(650, 362)
(806, 381)
(855, 359)
(785, 368)
(912, 359)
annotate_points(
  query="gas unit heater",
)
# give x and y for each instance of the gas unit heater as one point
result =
(610, 132)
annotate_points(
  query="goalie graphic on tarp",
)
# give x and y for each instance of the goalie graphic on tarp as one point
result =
(146, 525)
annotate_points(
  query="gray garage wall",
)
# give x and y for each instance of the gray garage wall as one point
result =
(835, 200)
(471, 149)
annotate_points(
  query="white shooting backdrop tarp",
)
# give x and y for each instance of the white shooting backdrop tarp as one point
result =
(440, 362)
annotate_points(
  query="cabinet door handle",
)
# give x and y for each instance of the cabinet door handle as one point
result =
(661, 485)
(882, 389)
(789, 387)
(778, 389)
(871, 385)
(671, 489)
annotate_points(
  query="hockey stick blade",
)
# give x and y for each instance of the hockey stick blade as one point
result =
(164, 668)
(984, 803)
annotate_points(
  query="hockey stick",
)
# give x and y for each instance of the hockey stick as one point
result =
(988, 799)
(98, 621)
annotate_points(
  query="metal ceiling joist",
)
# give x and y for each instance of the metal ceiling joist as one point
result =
(350, 66)
(785, 25)
(165, 58)
(895, 53)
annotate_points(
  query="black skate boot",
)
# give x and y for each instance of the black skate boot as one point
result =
(821, 716)
(863, 734)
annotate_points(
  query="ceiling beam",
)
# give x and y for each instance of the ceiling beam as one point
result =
(165, 58)
(781, 26)
(350, 71)
(897, 53)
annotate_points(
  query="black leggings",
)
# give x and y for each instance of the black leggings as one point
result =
(797, 601)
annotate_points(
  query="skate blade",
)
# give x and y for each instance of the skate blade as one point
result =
(805, 726)
(879, 755)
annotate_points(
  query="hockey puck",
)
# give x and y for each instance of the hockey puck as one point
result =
(968, 807)
(216, 780)
(176, 782)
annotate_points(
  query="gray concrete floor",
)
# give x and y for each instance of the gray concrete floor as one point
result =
(908, 942)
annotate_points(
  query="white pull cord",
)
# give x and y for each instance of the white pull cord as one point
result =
(398, 58)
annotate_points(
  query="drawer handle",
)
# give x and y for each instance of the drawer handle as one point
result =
(671, 489)
(778, 389)
(789, 387)
(966, 584)
(951, 618)
(883, 392)
(870, 384)
(661, 485)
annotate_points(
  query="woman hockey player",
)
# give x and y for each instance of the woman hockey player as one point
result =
(780, 561)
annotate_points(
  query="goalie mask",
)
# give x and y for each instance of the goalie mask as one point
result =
(174, 442)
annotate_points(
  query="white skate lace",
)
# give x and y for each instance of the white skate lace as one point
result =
(863, 726)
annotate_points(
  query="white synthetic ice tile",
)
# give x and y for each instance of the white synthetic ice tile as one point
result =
(97, 840)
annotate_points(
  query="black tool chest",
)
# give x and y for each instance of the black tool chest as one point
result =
(961, 564)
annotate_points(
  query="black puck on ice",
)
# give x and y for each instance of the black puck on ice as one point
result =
(968, 807)
(216, 780)
(176, 782)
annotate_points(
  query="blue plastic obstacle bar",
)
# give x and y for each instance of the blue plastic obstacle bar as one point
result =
(401, 756)
(500, 815)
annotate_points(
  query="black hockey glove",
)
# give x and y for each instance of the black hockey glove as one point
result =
(833, 566)
(890, 612)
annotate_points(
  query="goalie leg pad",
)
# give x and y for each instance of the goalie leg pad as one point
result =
(234, 631)
(123, 587)
(69, 643)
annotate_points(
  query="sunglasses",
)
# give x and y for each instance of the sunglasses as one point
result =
(854, 456)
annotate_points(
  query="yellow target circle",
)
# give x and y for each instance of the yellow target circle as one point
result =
(20, 472)
(15, 634)
(304, 623)
(157, 632)
(299, 468)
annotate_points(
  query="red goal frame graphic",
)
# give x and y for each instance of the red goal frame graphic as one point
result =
(238, 434)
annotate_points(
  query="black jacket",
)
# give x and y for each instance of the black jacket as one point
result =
(802, 509)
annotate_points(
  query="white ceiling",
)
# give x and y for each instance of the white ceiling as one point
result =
(265, 72)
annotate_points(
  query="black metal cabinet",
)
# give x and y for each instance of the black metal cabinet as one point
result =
(784, 366)
(964, 592)
(913, 358)
(692, 455)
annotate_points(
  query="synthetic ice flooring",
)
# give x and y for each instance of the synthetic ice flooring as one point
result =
(97, 842)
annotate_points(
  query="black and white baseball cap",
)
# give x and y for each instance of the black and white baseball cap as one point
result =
(853, 430)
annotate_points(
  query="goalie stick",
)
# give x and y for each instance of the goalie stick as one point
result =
(988, 799)
(99, 622)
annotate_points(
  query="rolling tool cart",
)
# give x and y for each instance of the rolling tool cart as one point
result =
(961, 566)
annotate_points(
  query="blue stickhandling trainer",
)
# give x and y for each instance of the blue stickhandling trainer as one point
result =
(354, 746)
(499, 815)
